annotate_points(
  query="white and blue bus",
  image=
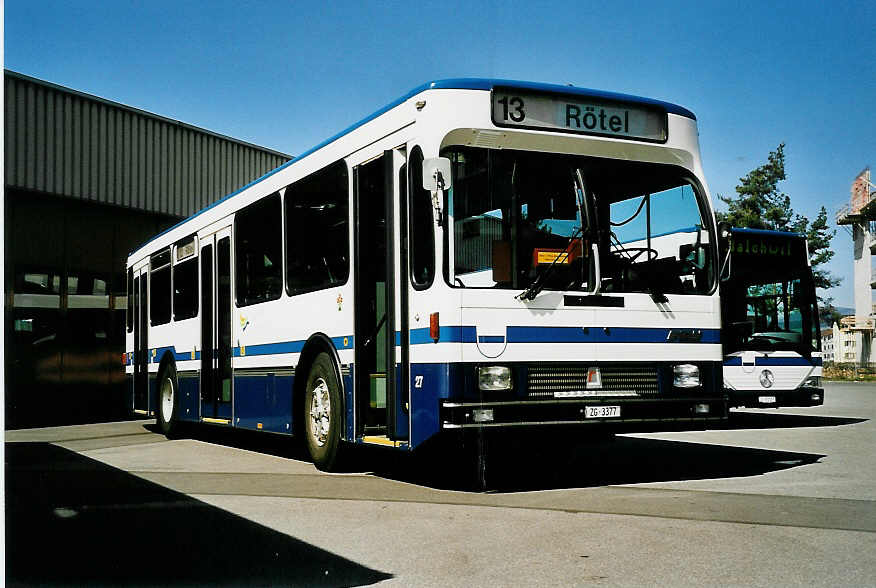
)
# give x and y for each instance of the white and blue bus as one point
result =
(477, 254)
(771, 337)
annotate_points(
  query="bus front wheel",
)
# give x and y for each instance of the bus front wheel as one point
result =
(322, 413)
(168, 402)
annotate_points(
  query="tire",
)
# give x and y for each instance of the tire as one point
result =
(166, 413)
(323, 414)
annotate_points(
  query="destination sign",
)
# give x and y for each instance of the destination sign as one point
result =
(768, 246)
(578, 114)
(757, 256)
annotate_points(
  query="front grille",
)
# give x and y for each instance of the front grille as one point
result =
(543, 381)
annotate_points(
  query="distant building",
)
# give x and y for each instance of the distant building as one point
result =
(859, 216)
(86, 181)
(848, 341)
(842, 342)
(827, 343)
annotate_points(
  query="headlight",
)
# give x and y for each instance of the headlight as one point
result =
(812, 382)
(494, 377)
(686, 375)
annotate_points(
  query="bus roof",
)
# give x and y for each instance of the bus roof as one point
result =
(490, 83)
(447, 84)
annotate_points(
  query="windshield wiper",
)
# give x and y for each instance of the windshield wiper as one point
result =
(538, 284)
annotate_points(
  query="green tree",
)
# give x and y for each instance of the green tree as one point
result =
(819, 236)
(759, 204)
(827, 313)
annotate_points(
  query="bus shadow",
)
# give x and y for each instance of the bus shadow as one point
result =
(548, 461)
(775, 420)
(552, 460)
(71, 520)
(500, 466)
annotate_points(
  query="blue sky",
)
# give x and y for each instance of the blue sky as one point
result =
(287, 75)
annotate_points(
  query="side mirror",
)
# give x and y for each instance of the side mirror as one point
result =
(724, 250)
(693, 253)
(437, 174)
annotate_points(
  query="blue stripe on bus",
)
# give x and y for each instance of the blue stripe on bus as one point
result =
(340, 343)
(468, 334)
(600, 335)
(457, 334)
(270, 348)
(777, 361)
(179, 356)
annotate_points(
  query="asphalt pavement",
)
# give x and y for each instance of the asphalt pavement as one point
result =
(775, 498)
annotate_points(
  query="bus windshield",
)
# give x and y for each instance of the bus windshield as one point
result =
(768, 300)
(520, 217)
(776, 316)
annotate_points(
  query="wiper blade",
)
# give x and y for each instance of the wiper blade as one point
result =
(538, 284)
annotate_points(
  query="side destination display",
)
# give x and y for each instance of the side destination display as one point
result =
(765, 245)
(578, 114)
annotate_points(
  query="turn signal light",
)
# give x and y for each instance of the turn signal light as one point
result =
(434, 327)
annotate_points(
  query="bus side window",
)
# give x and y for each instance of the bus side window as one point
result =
(159, 285)
(318, 230)
(129, 325)
(422, 230)
(258, 242)
(185, 289)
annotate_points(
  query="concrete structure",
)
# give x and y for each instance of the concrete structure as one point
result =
(860, 217)
(86, 181)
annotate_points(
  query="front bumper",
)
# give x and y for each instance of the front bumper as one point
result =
(776, 398)
(634, 414)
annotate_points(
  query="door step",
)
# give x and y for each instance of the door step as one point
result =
(382, 440)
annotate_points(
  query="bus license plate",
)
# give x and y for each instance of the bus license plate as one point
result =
(603, 412)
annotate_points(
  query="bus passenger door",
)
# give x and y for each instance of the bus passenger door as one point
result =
(380, 389)
(216, 375)
(140, 323)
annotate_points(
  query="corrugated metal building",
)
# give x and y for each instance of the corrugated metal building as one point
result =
(87, 180)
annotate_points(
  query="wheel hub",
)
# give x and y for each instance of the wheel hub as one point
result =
(320, 412)
(167, 400)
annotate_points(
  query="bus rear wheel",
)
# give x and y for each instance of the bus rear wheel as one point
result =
(322, 414)
(168, 403)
